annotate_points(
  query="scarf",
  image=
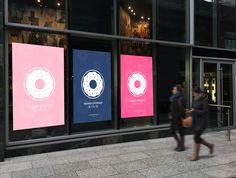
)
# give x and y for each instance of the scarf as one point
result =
(175, 97)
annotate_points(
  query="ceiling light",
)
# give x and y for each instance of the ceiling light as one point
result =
(38, 1)
(142, 17)
(134, 13)
(149, 18)
(132, 10)
(58, 4)
(209, 0)
(129, 7)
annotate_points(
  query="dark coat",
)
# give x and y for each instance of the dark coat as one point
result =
(200, 112)
(177, 112)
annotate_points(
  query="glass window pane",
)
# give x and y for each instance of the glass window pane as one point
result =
(136, 84)
(91, 97)
(44, 13)
(41, 85)
(172, 69)
(92, 16)
(204, 23)
(196, 73)
(171, 20)
(227, 21)
(135, 18)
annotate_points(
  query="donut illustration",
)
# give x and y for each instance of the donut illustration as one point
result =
(137, 84)
(39, 83)
(92, 84)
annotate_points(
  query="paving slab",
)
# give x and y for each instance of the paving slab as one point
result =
(97, 172)
(142, 159)
(34, 173)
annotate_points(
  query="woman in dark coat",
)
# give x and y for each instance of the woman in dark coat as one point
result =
(200, 118)
(177, 113)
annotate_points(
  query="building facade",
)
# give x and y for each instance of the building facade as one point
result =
(83, 73)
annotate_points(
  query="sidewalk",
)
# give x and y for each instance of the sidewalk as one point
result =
(149, 158)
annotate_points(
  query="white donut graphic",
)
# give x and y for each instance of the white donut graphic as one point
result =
(98, 81)
(39, 83)
(137, 84)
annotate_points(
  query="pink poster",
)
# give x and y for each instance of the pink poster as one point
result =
(136, 86)
(38, 86)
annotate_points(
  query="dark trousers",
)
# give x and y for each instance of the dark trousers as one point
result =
(176, 126)
(197, 136)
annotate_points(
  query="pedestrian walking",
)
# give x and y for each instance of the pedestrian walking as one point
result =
(177, 113)
(199, 113)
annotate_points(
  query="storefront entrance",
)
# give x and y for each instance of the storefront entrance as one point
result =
(217, 80)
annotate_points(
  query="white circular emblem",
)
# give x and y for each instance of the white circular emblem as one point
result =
(137, 84)
(39, 83)
(92, 84)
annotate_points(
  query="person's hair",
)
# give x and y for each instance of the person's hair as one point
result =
(197, 90)
(179, 88)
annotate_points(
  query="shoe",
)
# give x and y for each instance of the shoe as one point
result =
(195, 156)
(210, 146)
(212, 149)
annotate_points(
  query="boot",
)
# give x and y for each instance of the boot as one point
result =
(210, 146)
(182, 144)
(177, 142)
(195, 156)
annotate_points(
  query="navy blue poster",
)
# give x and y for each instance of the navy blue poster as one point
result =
(91, 86)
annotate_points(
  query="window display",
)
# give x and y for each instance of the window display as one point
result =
(91, 86)
(38, 86)
(136, 86)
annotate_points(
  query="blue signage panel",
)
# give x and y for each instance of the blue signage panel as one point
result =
(91, 86)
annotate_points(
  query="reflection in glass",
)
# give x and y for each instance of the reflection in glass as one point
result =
(30, 37)
(227, 31)
(172, 69)
(40, 13)
(91, 16)
(172, 20)
(196, 73)
(204, 23)
(135, 18)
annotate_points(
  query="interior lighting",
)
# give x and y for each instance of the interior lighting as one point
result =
(209, 0)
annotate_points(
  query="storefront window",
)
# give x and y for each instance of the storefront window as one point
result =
(196, 73)
(136, 84)
(227, 17)
(91, 99)
(135, 18)
(44, 13)
(205, 23)
(172, 23)
(92, 16)
(172, 69)
(38, 106)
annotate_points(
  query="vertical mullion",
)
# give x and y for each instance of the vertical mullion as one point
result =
(115, 67)
(191, 21)
(154, 53)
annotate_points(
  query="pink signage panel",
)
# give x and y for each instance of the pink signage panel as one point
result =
(38, 86)
(136, 86)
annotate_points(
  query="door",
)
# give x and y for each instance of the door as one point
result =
(217, 82)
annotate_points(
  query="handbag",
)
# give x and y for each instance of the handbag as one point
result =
(187, 121)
